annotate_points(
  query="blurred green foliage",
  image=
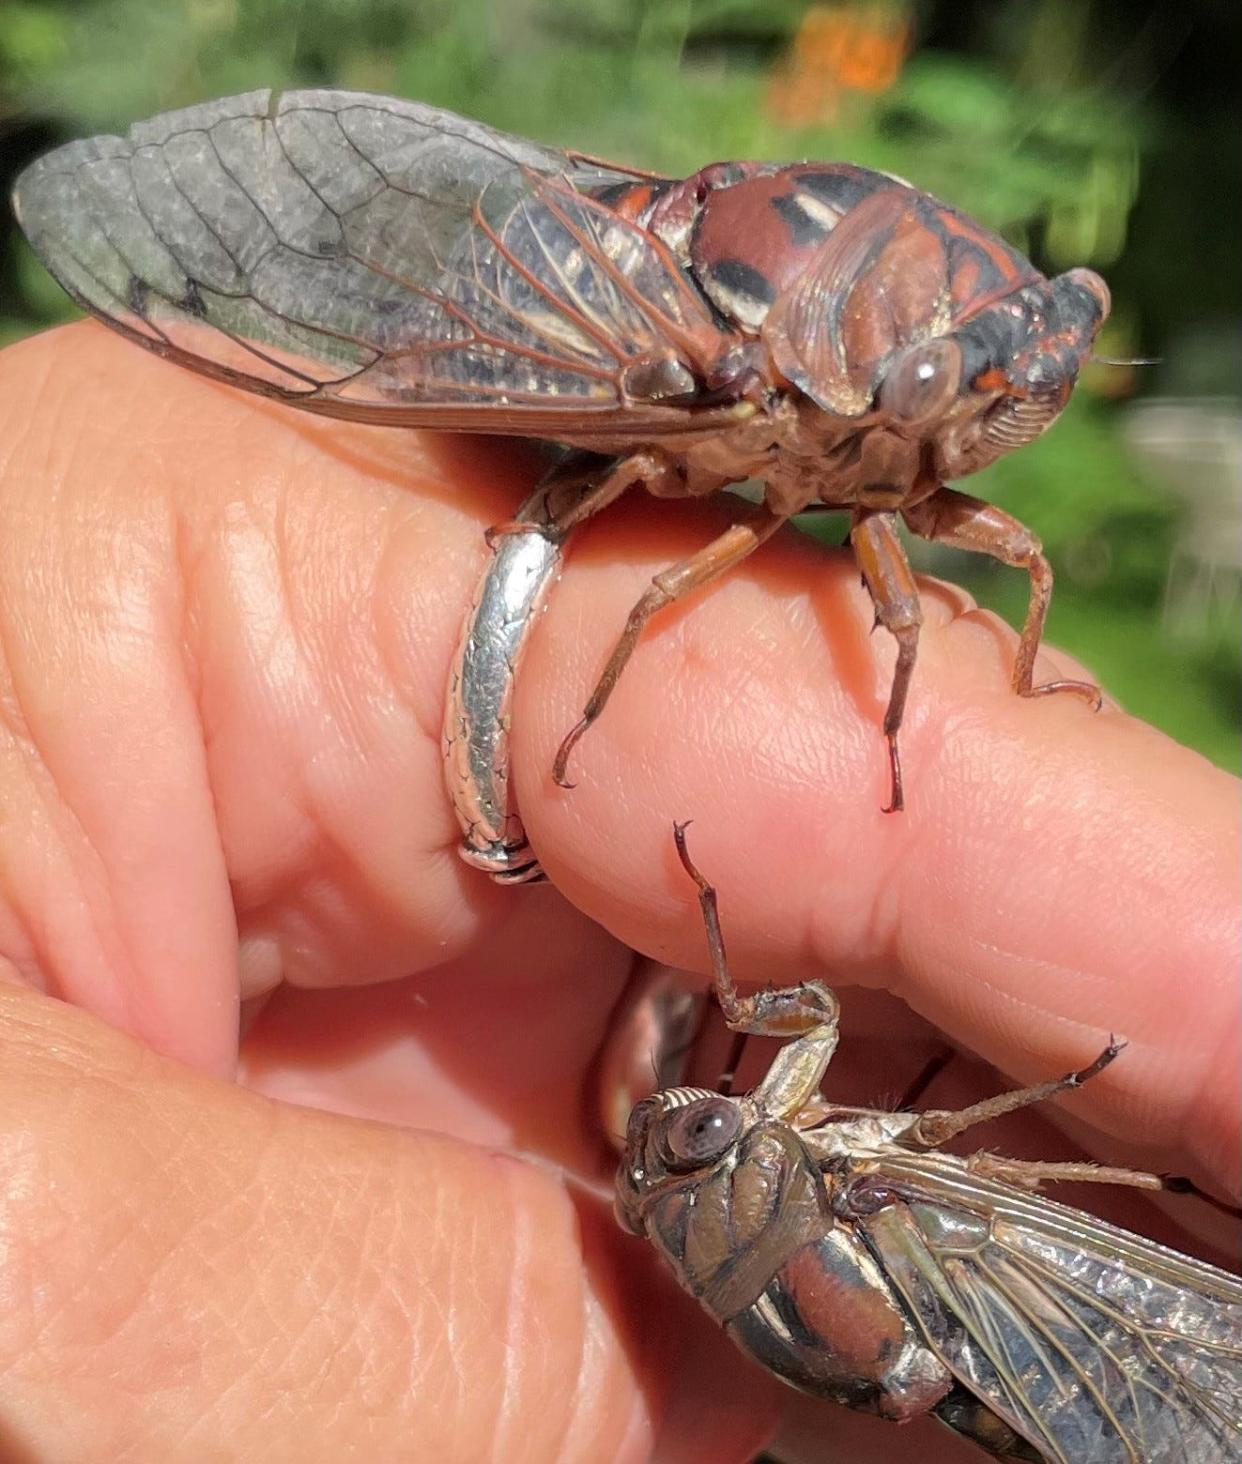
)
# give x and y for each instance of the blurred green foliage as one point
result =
(1089, 133)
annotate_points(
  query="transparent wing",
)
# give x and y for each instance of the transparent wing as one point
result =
(1092, 1343)
(370, 258)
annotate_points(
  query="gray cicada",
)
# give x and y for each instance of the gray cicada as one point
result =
(842, 1251)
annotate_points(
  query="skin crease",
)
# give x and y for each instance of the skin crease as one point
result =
(225, 629)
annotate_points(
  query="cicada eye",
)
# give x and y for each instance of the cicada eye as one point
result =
(922, 382)
(1088, 280)
(699, 1133)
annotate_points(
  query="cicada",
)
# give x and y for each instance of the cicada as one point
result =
(831, 331)
(844, 1251)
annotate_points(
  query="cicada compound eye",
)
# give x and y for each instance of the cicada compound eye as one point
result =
(1087, 279)
(699, 1133)
(922, 382)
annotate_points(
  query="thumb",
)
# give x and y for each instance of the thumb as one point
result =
(192, 1271)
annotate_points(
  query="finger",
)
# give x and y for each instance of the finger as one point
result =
(194, 1272)
(1000, 904)
(227, 629)
(1058, 874)
(496, 1048)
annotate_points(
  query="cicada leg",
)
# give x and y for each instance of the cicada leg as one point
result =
(809, 1013)
(937, 1126)
(1032, 1173)
(957, 519)
(933, 1129)
(730, 548)
(576, 489)
(887, 575)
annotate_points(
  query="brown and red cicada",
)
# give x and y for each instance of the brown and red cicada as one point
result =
(846, 1252)
(829, 330)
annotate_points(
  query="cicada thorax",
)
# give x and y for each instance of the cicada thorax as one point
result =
(902, 266)
(728, 1229)
(755, 1240)
(832, 284)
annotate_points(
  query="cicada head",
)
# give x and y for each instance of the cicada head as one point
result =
(1000, 378)
(674, 1139)
(927, 336)
(726, 1194)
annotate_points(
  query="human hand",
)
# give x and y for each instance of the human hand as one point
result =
(226, 631)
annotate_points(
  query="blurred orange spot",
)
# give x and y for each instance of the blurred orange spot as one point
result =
(838, 49)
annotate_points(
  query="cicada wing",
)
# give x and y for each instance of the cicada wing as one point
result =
(370, 258)
(1091, 1343)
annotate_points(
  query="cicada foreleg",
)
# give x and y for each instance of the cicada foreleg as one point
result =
(890, 582)
(808, 1013)
(963, 522)
(730, 548)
